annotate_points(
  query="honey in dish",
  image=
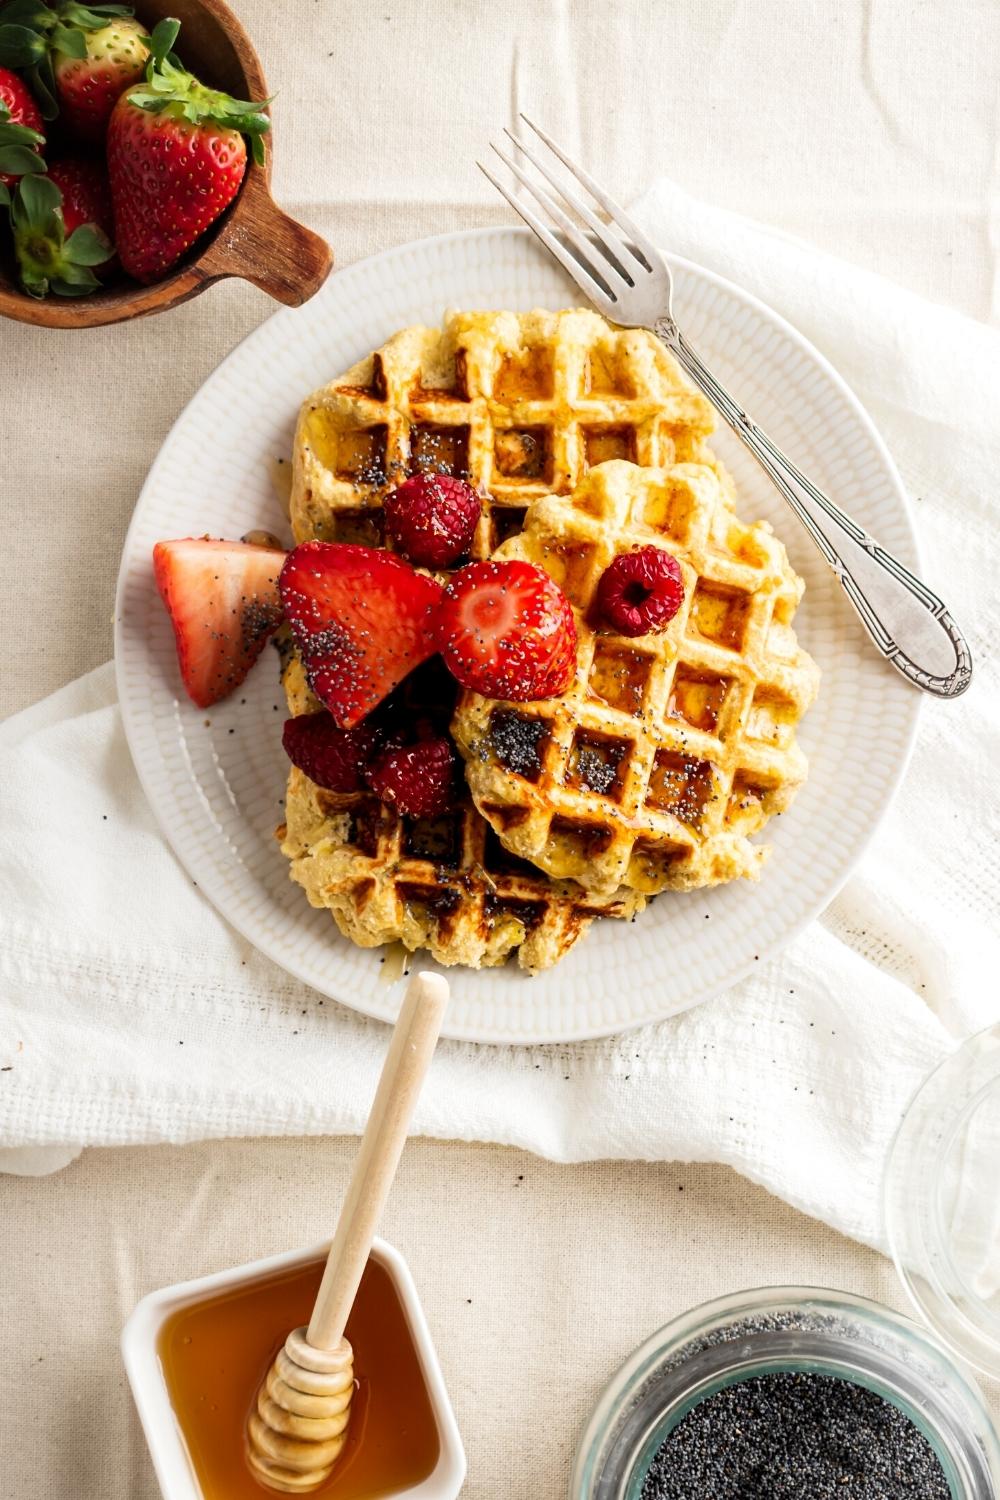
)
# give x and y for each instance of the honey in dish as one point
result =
(215, 1353)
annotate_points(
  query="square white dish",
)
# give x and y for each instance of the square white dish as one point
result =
(165, 1440)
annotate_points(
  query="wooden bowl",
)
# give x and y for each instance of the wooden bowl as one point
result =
(253, 239)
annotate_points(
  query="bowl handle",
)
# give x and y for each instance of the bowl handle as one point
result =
(262, 244)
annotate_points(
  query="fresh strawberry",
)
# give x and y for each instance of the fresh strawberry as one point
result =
(86, 196)
(417, 780)
(506, 630)
(432, 518)
(18, 101)
(60, 223)
(333, 758)
(640, 591)
(89, 86)
(362, 619)
(78, 56)
(20, 129)
(222, 598)
(176, 158)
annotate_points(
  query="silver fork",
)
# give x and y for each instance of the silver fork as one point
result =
(628, 279)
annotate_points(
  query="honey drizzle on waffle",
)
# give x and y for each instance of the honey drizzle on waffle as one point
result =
(521, 405)
(669, 749)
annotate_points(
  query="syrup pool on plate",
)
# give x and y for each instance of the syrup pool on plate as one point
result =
(214, 1354)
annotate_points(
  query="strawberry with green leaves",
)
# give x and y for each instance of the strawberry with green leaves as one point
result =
(79, 57)
(176, 159)
(114, 56)
(20, 131)
(61, 233)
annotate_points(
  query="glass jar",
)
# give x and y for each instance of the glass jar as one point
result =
(777, 1330)
(942, 1201)
(942, 1207)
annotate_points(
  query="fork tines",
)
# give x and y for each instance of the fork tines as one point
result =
(605, 276)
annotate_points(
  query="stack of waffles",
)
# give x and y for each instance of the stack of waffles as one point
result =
(667, 752)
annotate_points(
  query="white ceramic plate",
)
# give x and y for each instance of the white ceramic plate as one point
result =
(216, 780)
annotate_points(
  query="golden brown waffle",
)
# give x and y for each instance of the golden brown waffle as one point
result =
(521, 405)
(670, 749)
(446, 884)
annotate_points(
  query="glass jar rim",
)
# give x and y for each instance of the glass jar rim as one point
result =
(611, 1434)
(941, 1202)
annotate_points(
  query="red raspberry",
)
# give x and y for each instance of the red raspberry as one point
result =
(432, 518)
(333, 758)
(641, 591)
(506, 630)
(417, 780)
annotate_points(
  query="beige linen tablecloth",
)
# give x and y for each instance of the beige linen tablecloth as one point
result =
(868, 127)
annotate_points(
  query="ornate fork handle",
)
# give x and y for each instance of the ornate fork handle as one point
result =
(909, 624)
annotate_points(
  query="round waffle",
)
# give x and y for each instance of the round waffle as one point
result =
(670, 750)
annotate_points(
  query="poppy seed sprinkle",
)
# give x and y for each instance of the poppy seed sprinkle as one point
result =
(795, 1436)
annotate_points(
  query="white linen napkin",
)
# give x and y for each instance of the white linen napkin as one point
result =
(131, 1012)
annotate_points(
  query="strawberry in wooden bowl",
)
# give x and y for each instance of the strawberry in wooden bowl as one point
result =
(76, 58)
(21, 137)
(177, 155)
(62, 226)
(122, 91)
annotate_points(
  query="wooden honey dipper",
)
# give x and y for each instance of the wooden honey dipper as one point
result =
(299, 1427)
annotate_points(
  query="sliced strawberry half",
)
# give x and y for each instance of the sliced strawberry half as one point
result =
(222, 598)
(362, 619)
(506, 630)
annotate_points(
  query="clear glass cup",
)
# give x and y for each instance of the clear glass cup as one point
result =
(781, 1329)
(942, 1201)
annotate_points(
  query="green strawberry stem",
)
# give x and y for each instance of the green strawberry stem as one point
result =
(162, 38)
(30, 32)
(17, 143)
(18, 161)
(171, 89)
(47, 258)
